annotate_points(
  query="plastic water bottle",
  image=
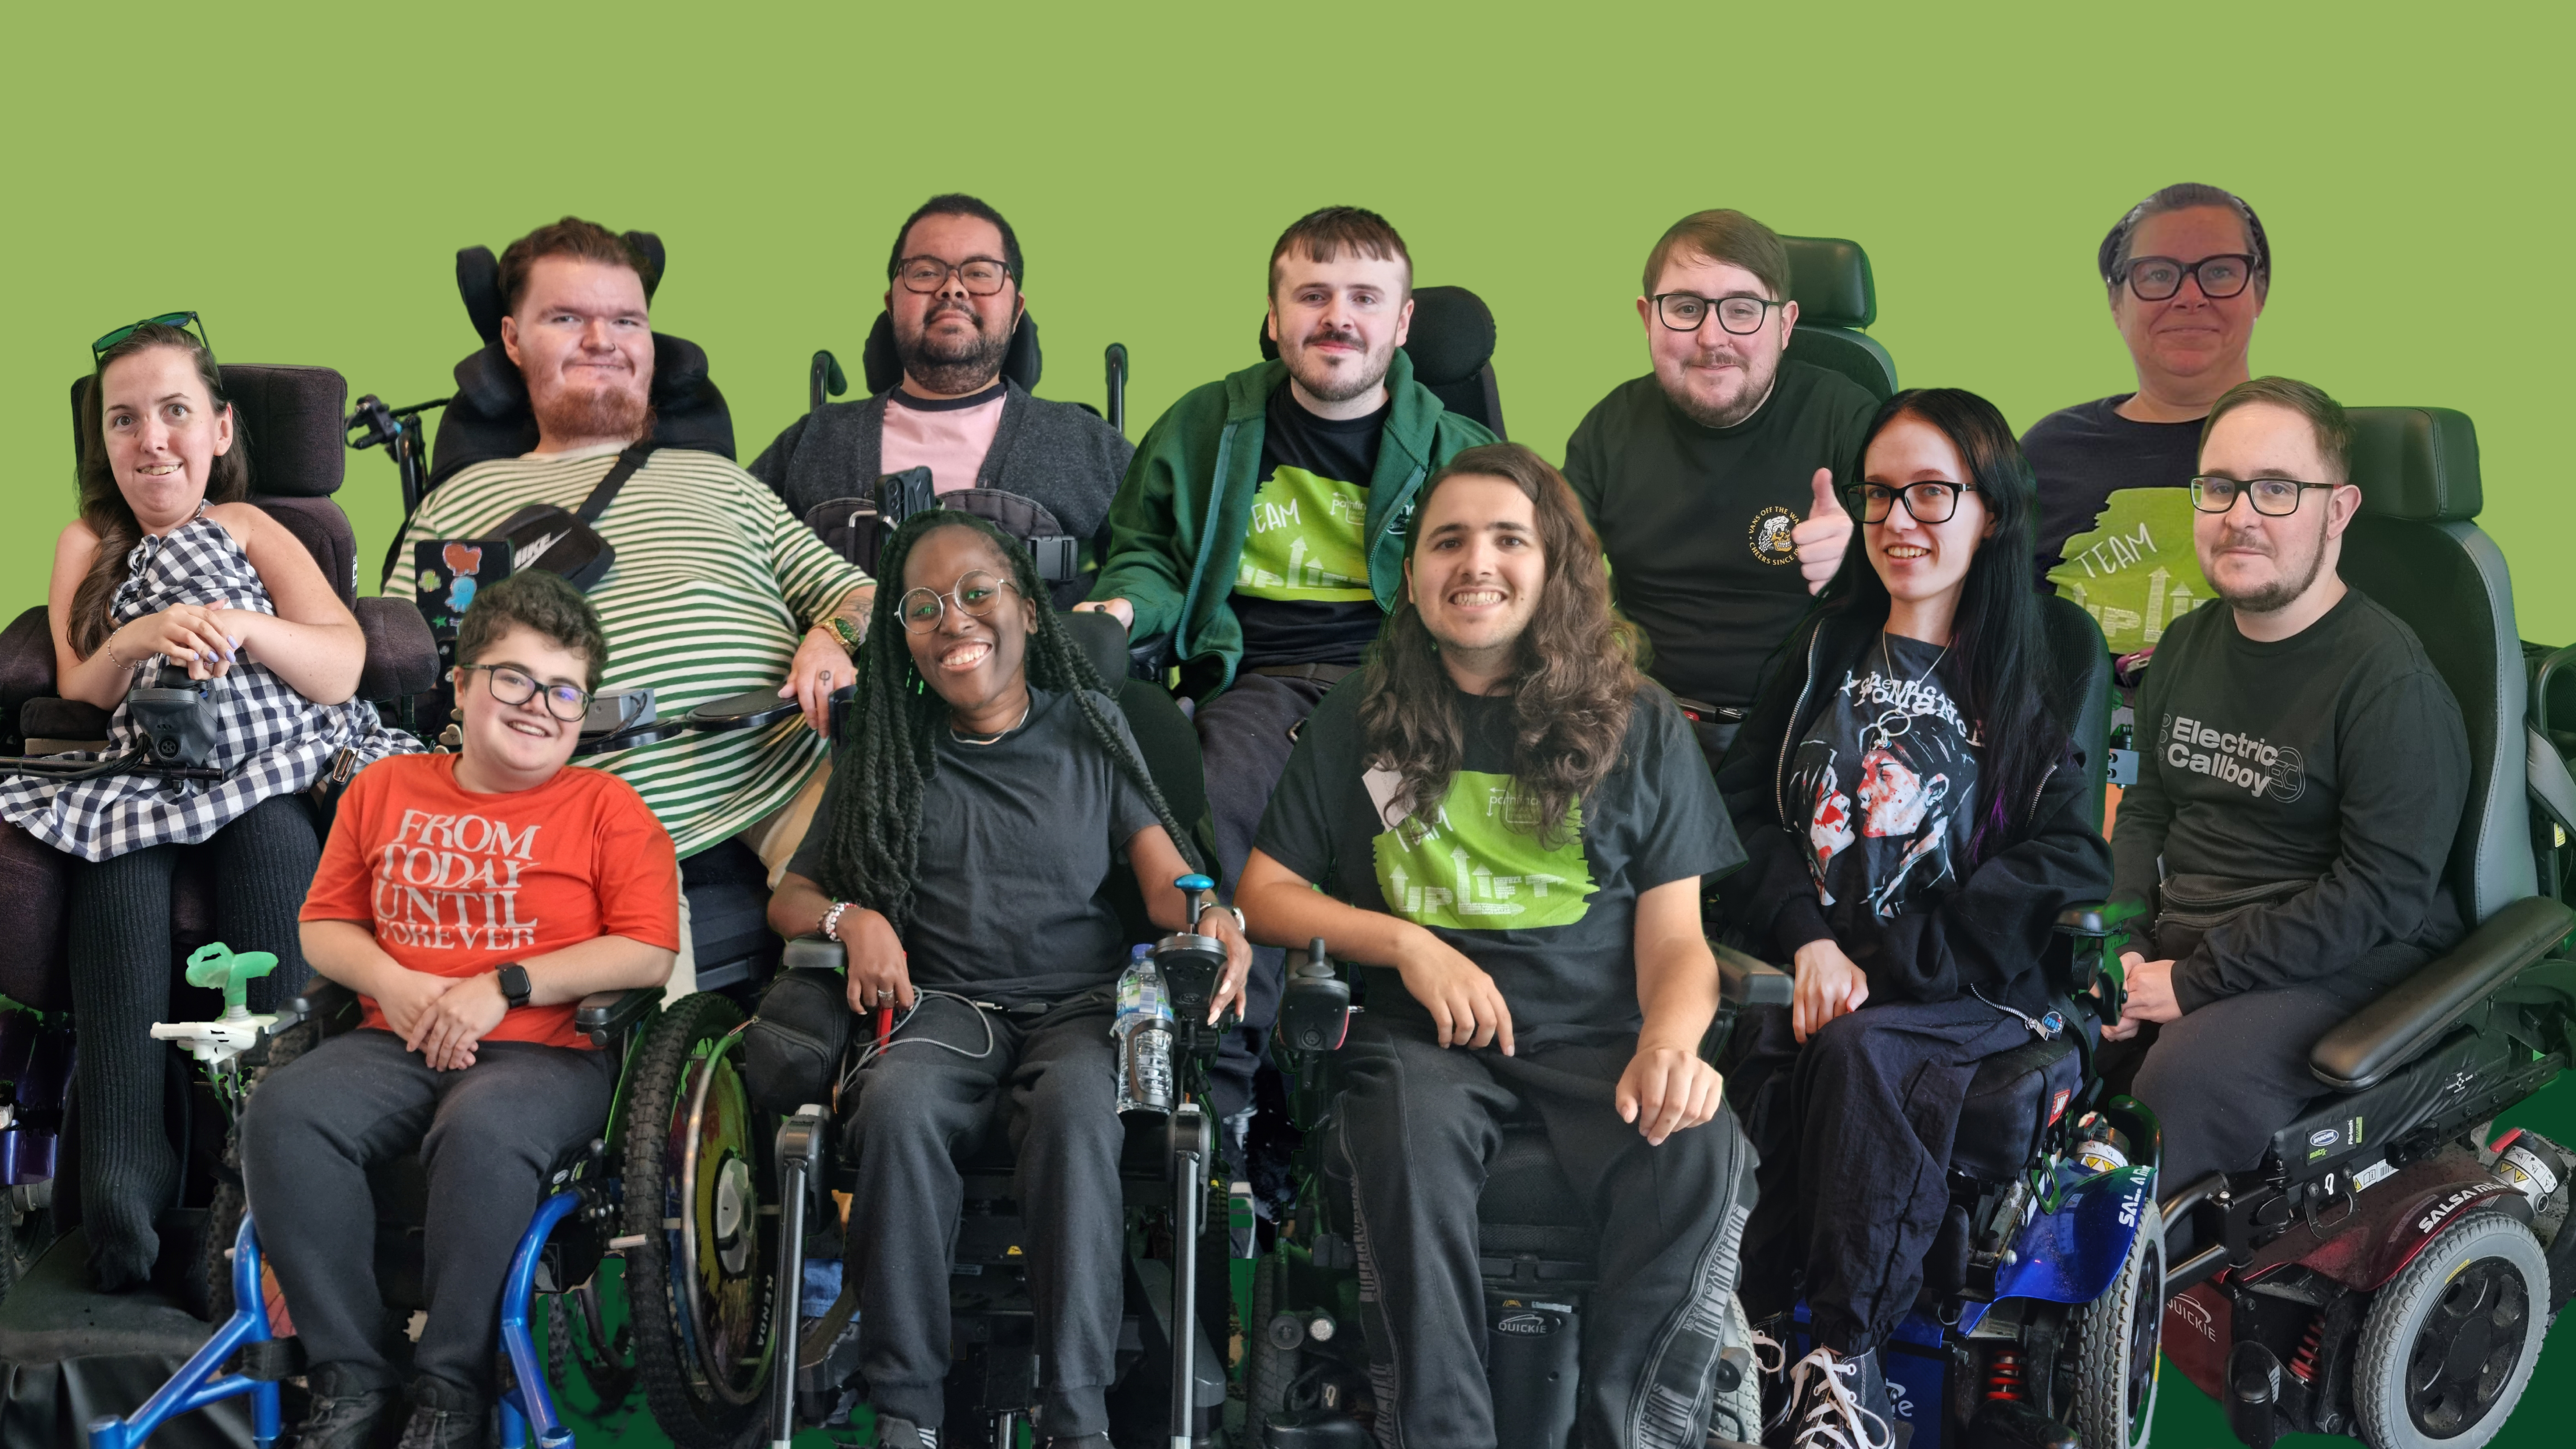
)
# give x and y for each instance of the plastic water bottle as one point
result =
(1144, 1033)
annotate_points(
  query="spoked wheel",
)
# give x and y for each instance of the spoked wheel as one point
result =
(697, 1168)
(2449, 1344)
(2116, 1337)
(577, 1333)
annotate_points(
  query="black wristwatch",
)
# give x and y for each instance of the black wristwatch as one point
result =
(514, 984)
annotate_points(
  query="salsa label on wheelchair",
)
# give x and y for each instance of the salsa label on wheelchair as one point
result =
(1476, 862)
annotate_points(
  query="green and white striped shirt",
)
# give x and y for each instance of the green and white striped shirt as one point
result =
(714, 586)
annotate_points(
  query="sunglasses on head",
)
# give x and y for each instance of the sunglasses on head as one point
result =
(180, 320)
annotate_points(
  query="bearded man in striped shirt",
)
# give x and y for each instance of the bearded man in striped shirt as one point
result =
(716, 589)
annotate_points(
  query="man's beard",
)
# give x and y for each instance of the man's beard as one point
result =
(953, 368)
(1326, 385)
(2283, 589)
(602, 413)
(1757, 391)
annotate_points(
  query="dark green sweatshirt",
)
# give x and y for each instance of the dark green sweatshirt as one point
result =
(1177, 526)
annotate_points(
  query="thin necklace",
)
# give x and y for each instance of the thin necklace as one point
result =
(1896, 721)
(993, 739)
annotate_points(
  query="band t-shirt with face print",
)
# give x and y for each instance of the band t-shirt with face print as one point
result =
(1302, 591)
(1551, 916)
(1887, 781)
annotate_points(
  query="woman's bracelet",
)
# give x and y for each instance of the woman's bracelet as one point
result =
(110, 648)
(832, 920)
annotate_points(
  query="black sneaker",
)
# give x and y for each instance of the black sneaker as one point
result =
(347, 1407)
(1839, 1403)
(894, 1433)
(446, 1416)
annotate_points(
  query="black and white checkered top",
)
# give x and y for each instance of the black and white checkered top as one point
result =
(273, 740)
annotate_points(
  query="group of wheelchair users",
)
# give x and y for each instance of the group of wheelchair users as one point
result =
(1766, 658)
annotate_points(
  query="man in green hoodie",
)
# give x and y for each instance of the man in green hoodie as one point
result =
(1261, 526)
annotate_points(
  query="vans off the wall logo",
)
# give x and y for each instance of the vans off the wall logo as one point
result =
(2262, 769)
(1768, 535)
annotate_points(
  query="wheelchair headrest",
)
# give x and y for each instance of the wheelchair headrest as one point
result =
(489, 417)
(1450, 341)
(1103, 641)
(290, 419)
(2419, 465)
(882, 369)
(1829, 279)
(478, 280)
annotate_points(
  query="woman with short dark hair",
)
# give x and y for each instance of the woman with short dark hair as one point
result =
(1915, 815)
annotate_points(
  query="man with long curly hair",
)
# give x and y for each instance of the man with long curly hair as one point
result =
(1509, 826)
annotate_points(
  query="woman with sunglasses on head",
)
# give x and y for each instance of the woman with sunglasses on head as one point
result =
(981, 798)
(1915, 817)
(170, 576)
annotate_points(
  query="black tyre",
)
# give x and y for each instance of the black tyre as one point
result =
(2116, 1338)
(1271, 1341)
(697, 1167)
(578, 1342)
(2448, 1345)
(25, 1232)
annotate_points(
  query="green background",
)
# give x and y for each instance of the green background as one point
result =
(303, 174)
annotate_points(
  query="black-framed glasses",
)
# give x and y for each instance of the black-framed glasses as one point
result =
(976, 593)
(2271, 497)
(983, 276)
(1930, 501)
(512, 685)
(2154, 279)
(1685, 311)
(181, 320)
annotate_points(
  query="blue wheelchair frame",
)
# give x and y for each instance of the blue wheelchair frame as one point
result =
(196, 1384)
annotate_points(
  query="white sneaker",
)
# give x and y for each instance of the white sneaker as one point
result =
(1829, 1398)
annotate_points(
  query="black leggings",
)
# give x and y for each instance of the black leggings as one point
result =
(122, 972)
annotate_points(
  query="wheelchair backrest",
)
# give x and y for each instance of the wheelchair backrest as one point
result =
(1164, 735)
(883, 369)
(489, 417)
(2415, 549)
(1829, 279)
(1451, 344)
(290, 420)
(2080, 667)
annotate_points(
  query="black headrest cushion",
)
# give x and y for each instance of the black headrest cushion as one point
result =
(292, 420)
(1103, 640)
(1829, 280)
(882, 369)
(1450, 341)
(2416, 464)
(478, 280)
(489, 417)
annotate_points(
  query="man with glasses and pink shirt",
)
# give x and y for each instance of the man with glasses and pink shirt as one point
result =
(953, 299)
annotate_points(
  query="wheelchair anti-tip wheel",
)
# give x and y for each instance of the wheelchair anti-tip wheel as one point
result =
(2449, 1344)
(2116, 1338)
(697, 1167)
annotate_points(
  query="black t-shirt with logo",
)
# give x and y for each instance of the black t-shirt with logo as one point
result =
(1887, 777)
(1554, 923)
(1695, 521)
(1302, 590)
(2084, 454)
(2335, 755)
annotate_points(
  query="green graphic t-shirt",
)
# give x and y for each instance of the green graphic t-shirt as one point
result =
(1302, 591)
(2135, 571)
(1554, 922)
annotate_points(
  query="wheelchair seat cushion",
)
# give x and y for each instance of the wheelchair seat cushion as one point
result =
(1524, 1187)
(2011, 1100)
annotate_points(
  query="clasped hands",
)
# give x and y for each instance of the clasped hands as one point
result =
(443, 1017)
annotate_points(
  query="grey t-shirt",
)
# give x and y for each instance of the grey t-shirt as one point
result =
(1018, 839)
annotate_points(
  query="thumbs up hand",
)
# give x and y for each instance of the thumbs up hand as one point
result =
(1821, 541)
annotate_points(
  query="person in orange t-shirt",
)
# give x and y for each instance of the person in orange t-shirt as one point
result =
(471, 900)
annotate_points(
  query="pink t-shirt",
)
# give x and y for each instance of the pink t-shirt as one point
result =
(949, 436)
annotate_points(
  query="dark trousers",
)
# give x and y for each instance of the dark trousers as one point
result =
(1419, 1124)
(487, 1136)
(918, 1105)
(121, 977)
(2223, 1079)
(1244, 743)
(1855, 1129)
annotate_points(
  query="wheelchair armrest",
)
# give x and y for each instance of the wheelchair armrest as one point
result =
(604, 1016)
(67, 720)
(2100, 918)
(26, 664)
(2411, 1015)
(1743, 981)
(813, 953)
(402, 657)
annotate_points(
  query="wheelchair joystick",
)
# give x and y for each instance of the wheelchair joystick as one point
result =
(1315, 1009)
(1191, 963)
(217, 1042)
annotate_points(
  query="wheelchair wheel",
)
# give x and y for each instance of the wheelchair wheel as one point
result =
(697, 1167)
(2116, 1338)
(578, 1344)
(2448, 1345)
(25, 1232)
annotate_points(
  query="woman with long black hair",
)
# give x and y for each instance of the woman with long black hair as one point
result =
(980, 798)
(1912, 806)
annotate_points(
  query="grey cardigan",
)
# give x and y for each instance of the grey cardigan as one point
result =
(1055, 453)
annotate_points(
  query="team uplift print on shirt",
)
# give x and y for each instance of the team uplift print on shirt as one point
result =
(451, 883)
(1476, 862)
(1304, 541)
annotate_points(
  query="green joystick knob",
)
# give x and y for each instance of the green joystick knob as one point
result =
(215, 964)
